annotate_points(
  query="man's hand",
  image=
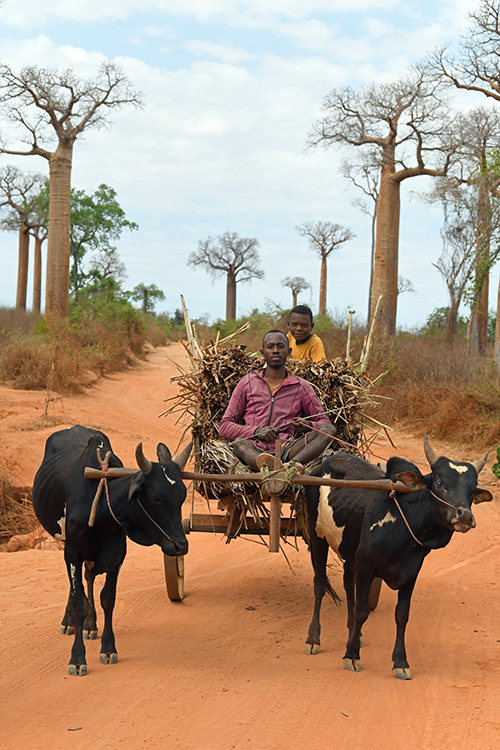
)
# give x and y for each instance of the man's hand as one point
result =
(266, 433)
(301, 426)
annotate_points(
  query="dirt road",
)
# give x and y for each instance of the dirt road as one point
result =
(226, 667)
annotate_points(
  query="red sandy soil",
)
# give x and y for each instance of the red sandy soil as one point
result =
(226, 667)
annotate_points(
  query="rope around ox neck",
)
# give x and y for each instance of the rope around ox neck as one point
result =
(393, 495)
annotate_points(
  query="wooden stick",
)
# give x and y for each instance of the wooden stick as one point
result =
(360, 484)
(120, 471)
(275, 505)
(356, 484)
(95, 503)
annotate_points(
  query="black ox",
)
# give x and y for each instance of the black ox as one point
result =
(378, 536)
(145, 507)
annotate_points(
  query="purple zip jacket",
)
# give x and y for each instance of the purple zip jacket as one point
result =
(251, 401)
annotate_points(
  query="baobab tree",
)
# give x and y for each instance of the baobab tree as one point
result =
(406, 122)
(43, 103)
(21, 191)
(477, 167)
(296, 284)
(475, 68)
(324, 237)
(229, 255)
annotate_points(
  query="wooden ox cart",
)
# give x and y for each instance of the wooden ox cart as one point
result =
(253, 503)
(277, 494)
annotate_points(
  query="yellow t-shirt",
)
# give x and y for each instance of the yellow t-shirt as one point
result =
(312, 349)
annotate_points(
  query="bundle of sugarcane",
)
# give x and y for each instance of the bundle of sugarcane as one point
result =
(205, 389)
(343, 393)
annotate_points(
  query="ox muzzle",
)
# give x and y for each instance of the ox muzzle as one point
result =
(463, 520)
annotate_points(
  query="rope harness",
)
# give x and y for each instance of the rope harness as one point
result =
(290, 471)
(392, 494)
(103, 483)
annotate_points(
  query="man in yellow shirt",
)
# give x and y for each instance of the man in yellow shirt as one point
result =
(304, 344)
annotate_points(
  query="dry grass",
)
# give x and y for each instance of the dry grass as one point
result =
(440, 390)
(68, 357)
(16, 511)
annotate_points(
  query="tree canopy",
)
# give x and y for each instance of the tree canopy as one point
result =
(96, 221)
(324, 238)
(232, 256)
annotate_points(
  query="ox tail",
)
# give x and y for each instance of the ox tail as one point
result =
(331, 592)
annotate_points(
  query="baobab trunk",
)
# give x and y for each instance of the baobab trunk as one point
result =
(37, 276)
(385, 266)
(22, 270)
(322, 286)
(57, 284)
(231, 295)
(479, 336)
(496, 350)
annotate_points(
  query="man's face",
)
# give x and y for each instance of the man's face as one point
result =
(300, 326)
(275, 350)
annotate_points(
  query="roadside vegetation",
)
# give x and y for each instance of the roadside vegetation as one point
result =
(101, 335)
(425, 383)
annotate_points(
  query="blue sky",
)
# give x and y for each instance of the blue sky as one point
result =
(231, 89)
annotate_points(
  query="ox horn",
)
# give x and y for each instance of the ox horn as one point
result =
(479, 465)
(429, 453)
(142, 462)
(181, 460)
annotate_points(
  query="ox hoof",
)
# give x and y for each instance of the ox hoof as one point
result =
(90, 635)
(67, 630)
(108, 658)
(402, 673)
(77, 670)
(312, 648)
(353, 665)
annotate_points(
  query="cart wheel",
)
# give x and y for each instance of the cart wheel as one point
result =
(374, 594)
(174, 577)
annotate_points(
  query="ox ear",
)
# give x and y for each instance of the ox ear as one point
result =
(181, 459)
(412, 479)
(163, 453)
(481, 496)
(135, 486)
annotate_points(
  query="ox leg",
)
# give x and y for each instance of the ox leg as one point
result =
(90, 624)
(361, 609)
(108, 598)
(79, 603)
(319, 555)
(68, 622)
(401, 668)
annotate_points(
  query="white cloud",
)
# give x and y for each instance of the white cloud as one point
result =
(222, 52)
(31, 13)
(220, 146)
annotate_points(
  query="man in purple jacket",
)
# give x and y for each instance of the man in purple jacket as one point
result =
(273, 403)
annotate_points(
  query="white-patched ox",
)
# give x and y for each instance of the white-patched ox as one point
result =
(380, 536)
